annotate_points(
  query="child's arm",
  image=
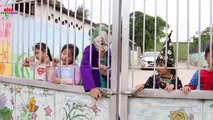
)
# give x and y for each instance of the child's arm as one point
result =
(148, 84)
(192, 85)
(52, 75)
(171, 85)
(71, 80)
(173, 82)
(194, 81)
(47, 60)
(86, 71)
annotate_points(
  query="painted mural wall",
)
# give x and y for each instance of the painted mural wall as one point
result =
(23, 43)
(193, 59)
(18, 35)
(19, 102)
(5, 41)
(169, 109)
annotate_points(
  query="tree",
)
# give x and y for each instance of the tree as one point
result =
(205, 36)
(205, 39)
(149, 29)
(80, 11)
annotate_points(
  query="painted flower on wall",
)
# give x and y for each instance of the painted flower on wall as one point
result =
(80, 111)
(5, 112)
(28, 111)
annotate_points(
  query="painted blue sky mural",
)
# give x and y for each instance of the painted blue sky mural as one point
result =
(30, 37)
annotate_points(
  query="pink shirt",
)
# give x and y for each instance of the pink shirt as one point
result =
(40, 71)
(69, 74)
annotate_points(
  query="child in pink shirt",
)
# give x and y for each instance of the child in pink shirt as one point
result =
(68, 72)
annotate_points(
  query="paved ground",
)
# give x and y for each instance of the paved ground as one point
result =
(140, 76)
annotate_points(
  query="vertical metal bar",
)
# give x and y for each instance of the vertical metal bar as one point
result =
(18, 32)
(166, 32)
(116, 30)
(177, 43)
(188, 32)
(125, 58)
(199, 40)
(3, 45)
(167, 18)
(99, 60)
(83, 25)
(75, 33)
(53, 45)
(41, 31)
(35, 9)
(144, 25)
(47, 14)
(68, 11)
(210, 34)
(109, 34)
(29, 30)
(133, 44)
(60, 22)
(91, 24)
(7, 49)
(23, 31)
(12, 57)
(155, 38)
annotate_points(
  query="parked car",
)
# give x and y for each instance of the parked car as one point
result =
(148, 59)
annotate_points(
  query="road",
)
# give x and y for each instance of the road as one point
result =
(140, 76)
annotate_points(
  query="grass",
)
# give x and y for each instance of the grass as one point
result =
(182, 50)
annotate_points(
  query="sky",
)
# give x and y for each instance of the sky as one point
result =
(181, 35)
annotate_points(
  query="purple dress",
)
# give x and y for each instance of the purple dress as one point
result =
(90, 77)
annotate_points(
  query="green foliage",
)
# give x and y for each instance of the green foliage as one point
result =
(205, 36)
(5, 113)
(149, 29)
(182, 49)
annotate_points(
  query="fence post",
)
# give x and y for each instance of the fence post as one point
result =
(125, 59)
(116, 43)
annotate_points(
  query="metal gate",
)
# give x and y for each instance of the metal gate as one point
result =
(56, 22)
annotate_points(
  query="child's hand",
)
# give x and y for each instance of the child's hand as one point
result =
(170, 87)
(55, 62)
(95, 93)
(103, 69)
(47, 60)
(57, 81)
(139, 87)
(29, 59)
(185, 89)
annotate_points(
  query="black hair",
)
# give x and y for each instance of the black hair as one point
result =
(71, 46)
(208, 49)
(43, 49)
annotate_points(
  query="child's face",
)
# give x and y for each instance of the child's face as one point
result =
(102, 53)
(64, 57)
(208, 59)
(38, 56)
(162, 70)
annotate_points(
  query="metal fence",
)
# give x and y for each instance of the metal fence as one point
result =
(57, 23)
